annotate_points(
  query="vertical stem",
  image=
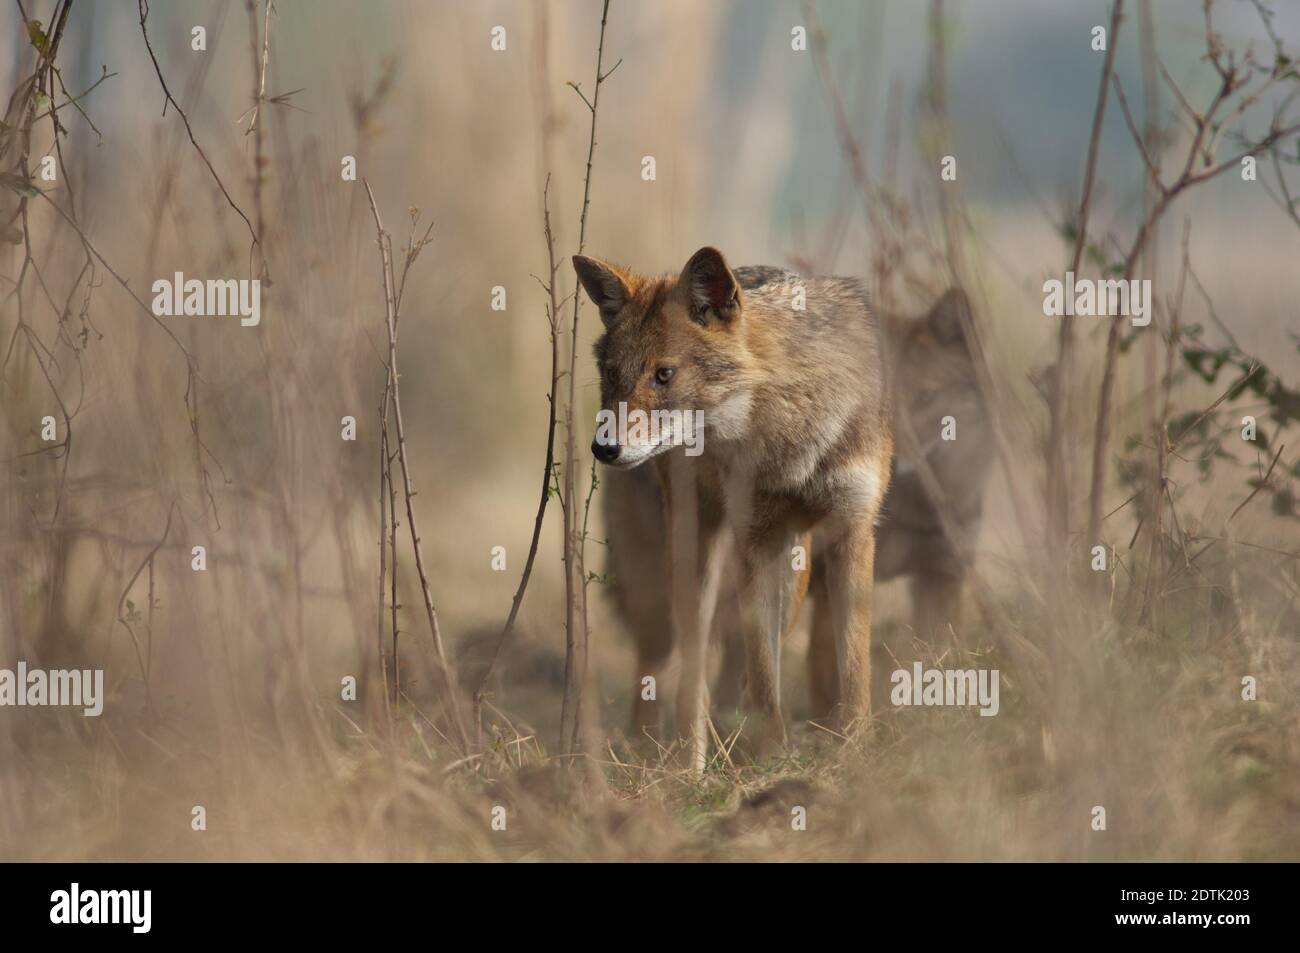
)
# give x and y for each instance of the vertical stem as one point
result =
(383, 530)
(148, 653)
(552, 318)
(1058, 493)
(394, 605)
(1155, 568)
(937, 100)
(431, 614)
(255, 124)
(575, 635)
(1150, 190)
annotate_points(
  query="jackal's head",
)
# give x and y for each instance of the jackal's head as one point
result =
(670, 359)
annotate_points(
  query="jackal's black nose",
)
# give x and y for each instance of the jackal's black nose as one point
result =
(604, 452)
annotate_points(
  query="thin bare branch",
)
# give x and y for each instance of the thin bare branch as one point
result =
(390, 301)
(144, 14)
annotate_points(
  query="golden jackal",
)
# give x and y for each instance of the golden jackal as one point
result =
(933, 375)
(786, 374)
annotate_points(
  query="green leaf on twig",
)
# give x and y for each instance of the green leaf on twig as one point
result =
(37, 35)
(18, 184)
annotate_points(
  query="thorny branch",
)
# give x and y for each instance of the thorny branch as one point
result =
(391, 302)
(124, 614)
(1207, 130)
(144, 13)
(1058, 384)
(552, 319)
(575, 608)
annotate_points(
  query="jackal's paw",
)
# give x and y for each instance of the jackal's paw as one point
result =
(852, 723)
(768, 738)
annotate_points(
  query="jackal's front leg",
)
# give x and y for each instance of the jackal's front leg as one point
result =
(768, 587)
(693, 556)
(850, 558)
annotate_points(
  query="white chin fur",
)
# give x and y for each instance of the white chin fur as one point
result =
(634, 456)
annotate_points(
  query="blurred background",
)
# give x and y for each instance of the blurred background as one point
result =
(223, 688)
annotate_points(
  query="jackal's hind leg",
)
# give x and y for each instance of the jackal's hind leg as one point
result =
(936, 605)
(823, 673)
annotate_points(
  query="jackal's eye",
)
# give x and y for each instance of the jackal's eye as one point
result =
(611, 378)
(664, 375)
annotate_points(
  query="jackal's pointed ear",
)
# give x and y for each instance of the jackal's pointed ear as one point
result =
(949, 318)
(713, 287)
(606, 288)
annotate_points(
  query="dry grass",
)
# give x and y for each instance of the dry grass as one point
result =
(1151, 728)
(234, 701)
